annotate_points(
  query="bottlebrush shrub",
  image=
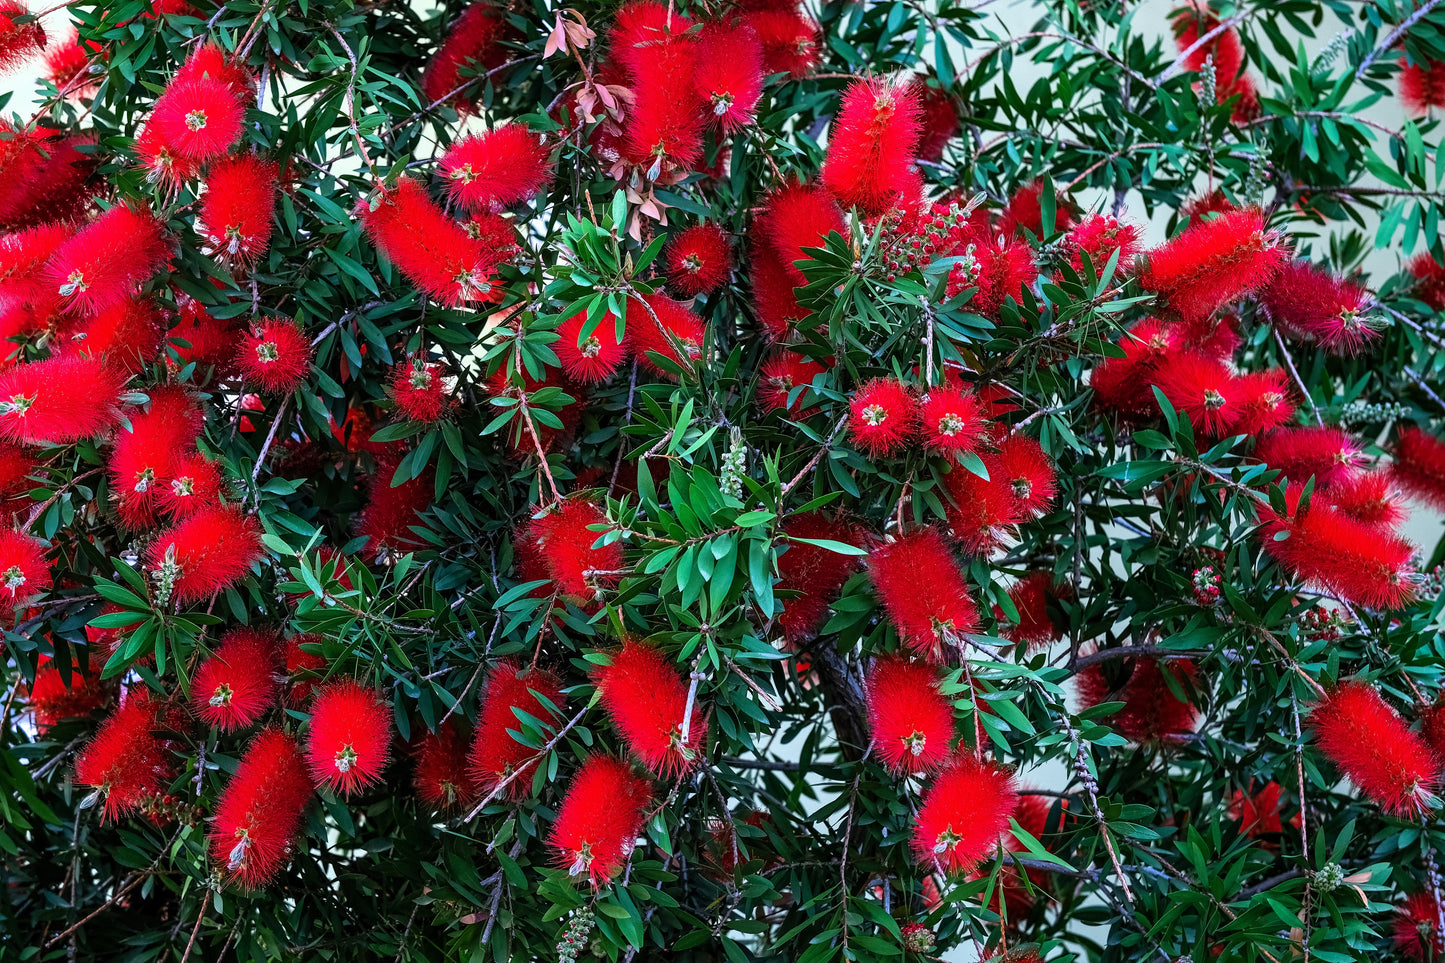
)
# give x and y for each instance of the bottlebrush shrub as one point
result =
(744, 480)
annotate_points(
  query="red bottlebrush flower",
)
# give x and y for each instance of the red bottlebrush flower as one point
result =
(472, 47)
(981, 510)
(563, 540)
(1310, 304)
(964, 812)
(496, 755)
(1429, 280)
(391, 510)
(1213, 262)
(798, 216)
(1004, 270)
(59, 400)
(1266, 401)
(1326, 452)
(1416, 933)
(18, 41)
(194, 484)
(303, 669)
(792, 41)
(698, 260)
(1123, 384)
(1194, 21)
(814, 572)
(199, 338)
(441, 777)
(47, 176)
(1369, 498)
(16, 465)
(1204, 389)
(597, 357)
(665, 122)
(1031, 596)
(1419, 466)
(259, 813)
(108, 259)
(141, 461)
(23, 255)
(599, 819)
(647, 702)
(774, 302)
(1352, 560)
(1025, 213)
(502, 167)
(1422, 85)
(197, 120)
(235, 217)
(432, 250)
(52, 699)
(1023, 469)
(640, 29)
(1257, 812)
(419, 391)
(870, 157)
(67, 65)
(1152, 713)
(938, 119)
(911, 721)
(237, 684)
(780, 374)
(275, 357)
(952, 419)
(728, 75)
(883, 417)
(125, 763)
(923, 592)
(207, 552)
(210, 62)
(162, 164)
(663, 330)
(1099, 237)
(1368, 741)
(349, 740)
(126, 335)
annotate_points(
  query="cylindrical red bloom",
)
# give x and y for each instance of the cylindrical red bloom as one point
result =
(1023, 469)
(349, 739)
(207, 552)
(471, 42)
(1025, 213)
(24, 573)
(563, 539)
(698, 260)
(883, 417)
(23, 256)
(237, 684)
(1004, 270)
(1031, 596)
(1266, 401)
(194, 483)
(125, 763)
(126, 335)
(647, 702)
(67, 65)
(1369, 498)
(259, 813)
(1429, 278)
(911, 721)
(47, 176)
(1326, 452)
(108, 259)
(209, 61)
(142, 460)
(441, 777)
(1307, 303)
(1122, 384)
(596, 357)
(814, 572)
(392, 510)
(798, 216)
(495, 754)
(792, 41)
(1213, 262)
(599, 819)
(981, 511)
(728, 74)
(1368, 741)
(50, 697)
(16, 465)
(1099, 236)
(197, 119)
(1203, 388)
(1422, 85)
(1416, 933)
(783, 372)
(964, 812)
(275, 357)
(18, 41)
(1152, 713)
(1350, 559)
(235, 217)
(1257, 812)
(923, 592)
(304, 669)
(435, 253)
(1419, 466)
(59, 400)
(663, 330)
(938, 119)
(419, 391)
(497, 169)
(870, 157)
(952, 419)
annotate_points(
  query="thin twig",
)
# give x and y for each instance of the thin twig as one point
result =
(1392, 38)
(1299, 382)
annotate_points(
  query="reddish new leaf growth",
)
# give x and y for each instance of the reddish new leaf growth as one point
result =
(207, 552)
(1422, 85)
(1309, 304)
(143, 457)
(911, 721)
(108, 259)
(236, 209)
(870, 157)
(698, 260)
(1153, 713)
(471, 48)
(238, 683)
(1325, 452)
(647, 701)
(728, 75)
(18, 41)
(259, 813)
(883, 417)
(663, 330)
(1416, 933)
(964, 812)
(419, 390)
(1368, 742)
(783, 372)
(125, 763)
(814, 572)
(435, 253)
(562, 539)
(349, 740)
(1213, 262)
(496, 755)
(441, 777)
(792, 41)
(275, 357)
(59, 400)
(596, 357)
(496, 169)
(1419, 466)
(923, 592)
(599, 819)
(952, 419)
